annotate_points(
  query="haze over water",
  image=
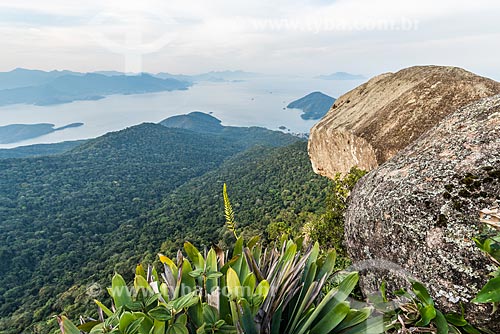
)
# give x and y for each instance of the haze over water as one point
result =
(254, 102)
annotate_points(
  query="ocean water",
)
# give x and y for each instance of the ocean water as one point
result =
(259, 101)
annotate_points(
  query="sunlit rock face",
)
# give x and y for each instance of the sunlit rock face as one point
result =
(370, 124)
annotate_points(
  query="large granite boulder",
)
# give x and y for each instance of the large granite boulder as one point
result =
(371, 123)
(416, 214)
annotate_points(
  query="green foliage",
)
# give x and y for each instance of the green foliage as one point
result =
(209, 294)
(328, 228)
(277, 229)
(67, 326)
(414, 311)
(268, 186)
(490, 245)
(94, 208)
(229, 213)
(100, 207)
(256, 290)
(490, 293)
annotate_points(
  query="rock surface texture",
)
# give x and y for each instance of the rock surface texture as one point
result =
(370, 124)
(416, 214)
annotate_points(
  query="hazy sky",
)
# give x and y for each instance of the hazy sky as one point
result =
(271, 36)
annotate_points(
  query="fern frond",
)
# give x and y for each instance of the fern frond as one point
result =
(229, 213)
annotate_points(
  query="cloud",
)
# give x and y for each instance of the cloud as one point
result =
(309, 36)
(27, 17)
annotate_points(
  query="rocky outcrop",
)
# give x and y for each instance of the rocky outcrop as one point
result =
(370, 124)
(416, 214)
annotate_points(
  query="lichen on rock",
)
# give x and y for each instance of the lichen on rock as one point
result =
(420, 210)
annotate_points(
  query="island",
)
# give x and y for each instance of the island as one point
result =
(14, 133)
(314, 105)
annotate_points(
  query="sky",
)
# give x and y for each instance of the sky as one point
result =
(293, 37)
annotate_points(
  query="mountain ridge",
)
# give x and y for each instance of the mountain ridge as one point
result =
(63, 87)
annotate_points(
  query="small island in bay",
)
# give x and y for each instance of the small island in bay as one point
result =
(14, 133)
(314, 105)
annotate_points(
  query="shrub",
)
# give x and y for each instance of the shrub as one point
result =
(256, 290)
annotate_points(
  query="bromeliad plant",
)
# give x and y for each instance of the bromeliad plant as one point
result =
(414, 311)
(490, 293)
(257, 290)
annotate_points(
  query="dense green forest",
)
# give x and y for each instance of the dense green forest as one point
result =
(267, 185)
(70, 220)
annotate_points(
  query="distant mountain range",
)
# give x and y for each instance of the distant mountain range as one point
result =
(314, 105)
(214, 76)
(56, 87)
(341, 76)
(14, 133)
(21, 77)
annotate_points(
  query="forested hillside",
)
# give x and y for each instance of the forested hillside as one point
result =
(67, 219)
(266, 185)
